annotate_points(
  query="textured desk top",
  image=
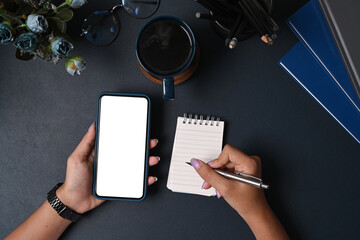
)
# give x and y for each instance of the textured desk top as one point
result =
(308, 159)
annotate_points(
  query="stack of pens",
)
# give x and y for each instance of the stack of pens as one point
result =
(237, 20)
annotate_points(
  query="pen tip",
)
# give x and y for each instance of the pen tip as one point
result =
(188, 163)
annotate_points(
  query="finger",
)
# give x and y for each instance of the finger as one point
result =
(223, 158)
(153, 143)
(210, 176)
(229, 154)
(241, 161)
(218, 194)
(252, 167)
(92, 156)
(153, 160)
(230, 165)
(87, 143)
(152, 180)
(257, 159)
(206, 185)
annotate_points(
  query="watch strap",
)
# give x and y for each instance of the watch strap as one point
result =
(61, 208)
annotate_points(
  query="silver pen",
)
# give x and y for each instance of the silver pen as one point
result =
(242, 177)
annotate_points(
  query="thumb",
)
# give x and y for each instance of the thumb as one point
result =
(87, 143)
(210, 176)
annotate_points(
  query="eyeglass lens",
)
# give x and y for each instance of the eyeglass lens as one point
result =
(141, 8)
(103, 26)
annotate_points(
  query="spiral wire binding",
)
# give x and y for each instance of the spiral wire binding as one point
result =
(207, 120)
(212, 121)
(185, 117)
(199, 119)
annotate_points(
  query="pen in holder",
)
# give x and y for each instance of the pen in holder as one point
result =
(239, 20)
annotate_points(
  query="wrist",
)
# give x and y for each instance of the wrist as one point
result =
(61, 209)
(253, 206)
(66, 198)
(265, 225)
(258, 213)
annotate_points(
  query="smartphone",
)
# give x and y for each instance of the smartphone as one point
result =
(121, 146)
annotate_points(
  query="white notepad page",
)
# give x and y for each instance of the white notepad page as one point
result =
(196, 138)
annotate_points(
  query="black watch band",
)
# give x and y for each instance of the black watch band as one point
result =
(60, 208)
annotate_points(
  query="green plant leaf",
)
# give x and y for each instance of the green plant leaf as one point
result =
(25, 9)
(10, 17)
(23, 55)
(48, 49)
(42, 11)
(58, 26)
(19, 2)
(65, 6)
(64, 14)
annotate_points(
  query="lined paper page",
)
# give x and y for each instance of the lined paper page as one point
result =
(193, 140)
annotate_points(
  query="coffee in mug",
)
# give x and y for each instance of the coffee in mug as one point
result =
(166, 51)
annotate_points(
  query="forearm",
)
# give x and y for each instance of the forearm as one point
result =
(265, 225)
(44, 223)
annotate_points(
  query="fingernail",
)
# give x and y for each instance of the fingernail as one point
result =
(91, 125)
(202, 186)
(158, 158)
(218, 194)
(156, 179)
(209, 163)
(195, 163)
(157, 141)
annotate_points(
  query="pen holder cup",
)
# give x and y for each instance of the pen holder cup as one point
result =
(223, 29)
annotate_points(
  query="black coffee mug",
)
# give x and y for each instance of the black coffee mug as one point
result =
(165, 49)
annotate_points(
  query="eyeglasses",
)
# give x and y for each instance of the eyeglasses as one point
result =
(102, 27)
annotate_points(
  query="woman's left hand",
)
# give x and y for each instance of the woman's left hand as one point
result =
(76, 192)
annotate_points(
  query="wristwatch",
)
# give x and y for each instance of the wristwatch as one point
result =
(59, 207)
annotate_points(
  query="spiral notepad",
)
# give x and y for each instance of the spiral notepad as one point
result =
(195, 137)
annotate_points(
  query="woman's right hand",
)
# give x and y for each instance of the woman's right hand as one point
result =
(248, 201)
(242, 197)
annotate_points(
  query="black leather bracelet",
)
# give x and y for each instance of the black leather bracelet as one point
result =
(60, 208)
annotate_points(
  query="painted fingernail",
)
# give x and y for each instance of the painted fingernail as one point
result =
(209, 163)
(156, 179)
(202, 186)
(158, 158)
(91, 125)
(218, 194)
(195, 163)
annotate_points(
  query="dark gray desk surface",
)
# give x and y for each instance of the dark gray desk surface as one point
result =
(311, 163)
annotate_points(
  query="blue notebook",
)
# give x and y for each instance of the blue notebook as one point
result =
(310, 26)
(303, 67)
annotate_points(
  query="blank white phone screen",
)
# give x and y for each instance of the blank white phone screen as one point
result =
(121, 146)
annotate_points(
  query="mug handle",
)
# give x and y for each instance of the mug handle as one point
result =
(168, 88)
